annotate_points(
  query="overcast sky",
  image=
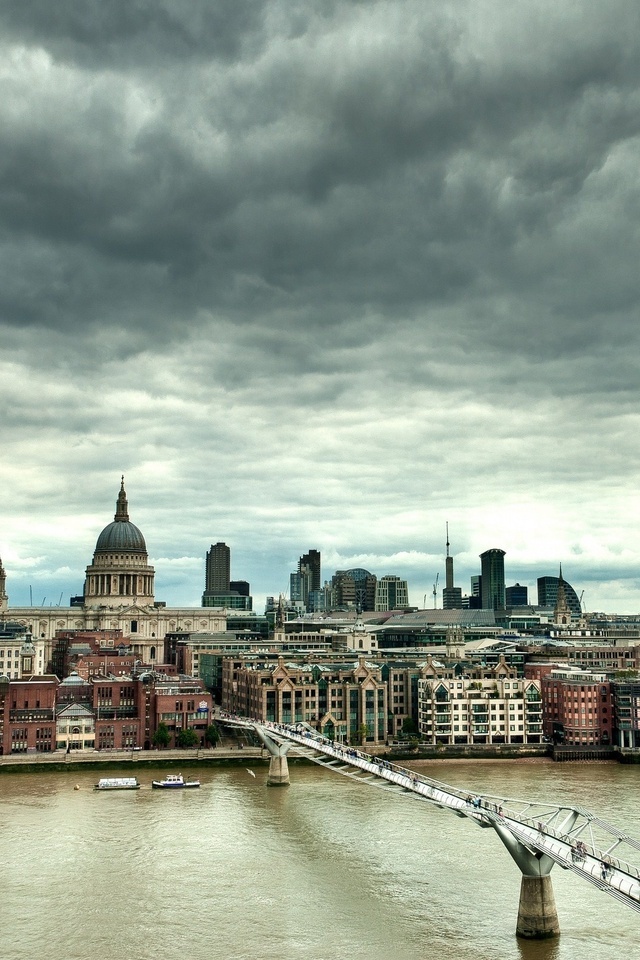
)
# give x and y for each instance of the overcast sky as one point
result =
(321, 274)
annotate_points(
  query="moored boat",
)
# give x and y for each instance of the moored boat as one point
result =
(174, 781)
(117, 783)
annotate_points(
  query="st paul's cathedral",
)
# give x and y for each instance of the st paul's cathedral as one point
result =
(118, 595)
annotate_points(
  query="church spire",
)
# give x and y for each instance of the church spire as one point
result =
(122, 507)
(562, 613)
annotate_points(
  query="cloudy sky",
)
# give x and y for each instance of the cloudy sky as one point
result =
(324, 275)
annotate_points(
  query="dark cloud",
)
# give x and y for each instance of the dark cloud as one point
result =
(142, 33)
(332, 271)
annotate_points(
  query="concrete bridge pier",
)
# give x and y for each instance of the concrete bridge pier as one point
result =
(278, 775)
(537, 913)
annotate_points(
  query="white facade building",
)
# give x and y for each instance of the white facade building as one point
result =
(501, 708)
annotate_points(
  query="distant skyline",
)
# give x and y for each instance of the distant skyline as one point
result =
(183, 584)
(321, 275)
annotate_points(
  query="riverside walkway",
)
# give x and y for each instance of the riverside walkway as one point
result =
(537, 835)
(81, 758)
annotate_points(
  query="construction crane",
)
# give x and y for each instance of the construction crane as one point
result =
(435, 591)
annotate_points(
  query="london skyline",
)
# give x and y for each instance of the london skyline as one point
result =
(222, 552)
(321, 276)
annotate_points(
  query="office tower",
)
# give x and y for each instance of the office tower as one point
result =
(492, 573)
(220, 591)
(306, 580)
(4, 600)
(475, 597)
(392, 593)
(218, 571)
(356, 587)
(243, 587)
(548, 595)
(517, 596)
(298, 588)
(448, 566)
(311, 561)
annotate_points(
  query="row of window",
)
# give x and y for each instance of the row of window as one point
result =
(513, 728)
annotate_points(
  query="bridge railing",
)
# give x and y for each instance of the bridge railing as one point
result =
(497, 806)
(489, 807)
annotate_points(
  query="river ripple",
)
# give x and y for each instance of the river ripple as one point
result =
(324, 870)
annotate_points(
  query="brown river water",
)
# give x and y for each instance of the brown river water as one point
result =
(325, 869)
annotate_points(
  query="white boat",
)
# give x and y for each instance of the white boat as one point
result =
(117, 783)
(174, 781)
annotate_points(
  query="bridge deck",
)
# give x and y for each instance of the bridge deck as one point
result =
(572, 837)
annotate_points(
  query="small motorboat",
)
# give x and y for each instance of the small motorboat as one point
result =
(174, 781)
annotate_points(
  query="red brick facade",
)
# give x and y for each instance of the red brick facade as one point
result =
(28, 715)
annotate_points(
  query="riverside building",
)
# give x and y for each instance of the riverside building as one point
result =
(490, 706)
(344, 700)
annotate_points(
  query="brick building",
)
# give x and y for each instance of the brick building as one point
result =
(28, 715)
(577, 707)
(341, 699)
(118, 706)
(181, 704)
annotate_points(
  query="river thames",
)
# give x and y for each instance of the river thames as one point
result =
(326, 869)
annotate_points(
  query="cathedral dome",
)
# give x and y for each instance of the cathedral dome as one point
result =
(121, 536)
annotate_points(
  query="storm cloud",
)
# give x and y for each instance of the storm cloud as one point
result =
(321, 275)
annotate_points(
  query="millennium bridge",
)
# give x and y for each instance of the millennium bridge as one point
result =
(537, 835)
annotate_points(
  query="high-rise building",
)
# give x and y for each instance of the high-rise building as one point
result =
(475, 597)
(218, 570)
(517, 596)
(355, 587)
(220, 591)
(492, 584)
(548, 595)
(451, 596)
(298, 588)
(243, 587)
(311, 561)
(306, 580)
(4, 600)
(392, 593)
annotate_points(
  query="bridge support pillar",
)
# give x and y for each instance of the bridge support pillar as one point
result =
(537, 914)
(278, 775)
